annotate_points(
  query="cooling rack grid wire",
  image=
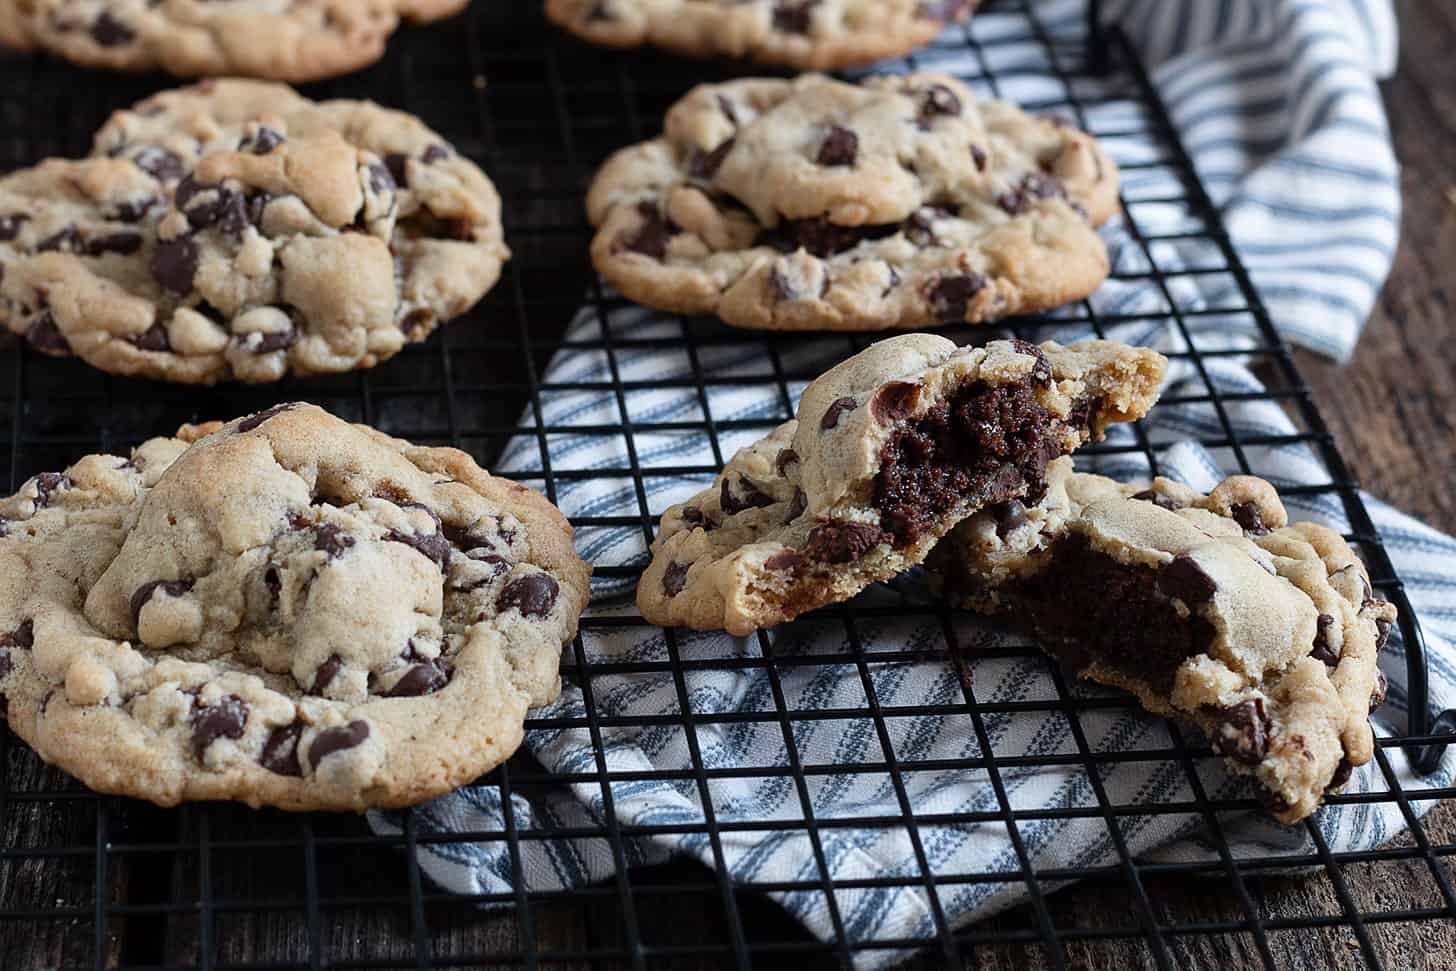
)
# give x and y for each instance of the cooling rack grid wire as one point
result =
(100, 882)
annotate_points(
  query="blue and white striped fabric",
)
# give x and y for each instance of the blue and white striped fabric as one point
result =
(1276, 101)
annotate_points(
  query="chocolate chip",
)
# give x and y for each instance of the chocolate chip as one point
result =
(174, 264)
(533, 595)
(1321, 650)
(1184, 579)
(154, 338)
(674, 578)
(124, 243)
(651, 237)
(44, 335)
(793, 17)
(785, 458)
(797, 505)
(280, 752)
(222, 720)
(48, 484)
(110, 32)
(950, 296)
(836, 408)
(257, 418)
(159, 163)
(339, 739)
(1377, 697)
(1041, 371)
(331, 539)
(433, 545)
(395, 162)
(143, 593)
(1246, 514)
(263, 142)
(1157, 499)
(1243, 731)
(66, 240)
(894, 401)
(10, 225)
(978, 155)
(1033, 186)
(1009, 515)
(749, 496)
(844, 542)
(1382, 633)
(381, 180)
(267, 342)
(694, 516)
(23, 636)
(704, 165)
(919, 228)
(422, 679)
(326, 673)
(784, 561)
(434, 154)
(939, 100)
(840, 147)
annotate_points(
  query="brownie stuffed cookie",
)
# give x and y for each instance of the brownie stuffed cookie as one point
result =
(1212, 609)
(281, 40)
(285, 610)
(808, 35)
(889, 450)
(903, 202)
(233, 230)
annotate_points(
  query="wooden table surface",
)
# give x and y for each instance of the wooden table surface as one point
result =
(1390, 409)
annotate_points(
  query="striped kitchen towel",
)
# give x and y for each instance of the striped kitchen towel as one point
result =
(1276, 103)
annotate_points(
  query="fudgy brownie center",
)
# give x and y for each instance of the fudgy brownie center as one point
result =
(1087, 606)
(984, 443)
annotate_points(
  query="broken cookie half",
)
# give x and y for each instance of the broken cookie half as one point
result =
(890, 449)
(1212, 609)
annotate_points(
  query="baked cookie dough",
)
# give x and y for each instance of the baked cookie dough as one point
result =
(1212, 609)
(233, 230)
(902, 202)
(888, 451)
(808, 35)
(285, 610)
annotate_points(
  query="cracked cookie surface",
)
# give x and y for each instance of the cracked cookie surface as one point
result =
(233, 230)
(281, 40)
(286, 610)
(809, 35)
(1213, 609)
(813, 204)
(888, 451)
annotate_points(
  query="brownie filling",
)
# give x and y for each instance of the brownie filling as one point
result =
(1087, 607)
(984, 444)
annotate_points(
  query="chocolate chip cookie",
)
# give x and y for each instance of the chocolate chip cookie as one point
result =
(286, 610)
(808, 35)
(283, 40)
(1212, 609)
(813, 204)
(888, 451)
(234, 230)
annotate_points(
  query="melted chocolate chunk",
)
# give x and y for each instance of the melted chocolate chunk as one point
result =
(339, 739)
(264, 141)
(749, 496)
(836, 408)
(44, 335)
(794, 17)
(950, 296)
(396, 164)
(143, 593)
(533, 595)
(651, 237)
(159, 163)
(422, 679)
(1321, 650)
(920, 227)
(331, 539)
(674, 578)
(784, 459)
(1033, 186)
(1246, 514)
(154, 338)
(939, 100)
(822, 238)
(704, 165)
(1243, 731)
(326, 673)
(174, 264)
(280, 751)
(1087, 606)
(66, 240)
(1009, 515)
(1041, 371)
(124, 243)
(984, 444)
(222, 720)
(694, 516)
(894, 401)
(840, 147)
(433, 545)
(1185, 579)
(1157, 499)
(796, 506)
(843, 542)
(257, 418)
(110, 32)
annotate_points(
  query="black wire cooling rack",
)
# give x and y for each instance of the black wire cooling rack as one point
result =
(100, 882)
